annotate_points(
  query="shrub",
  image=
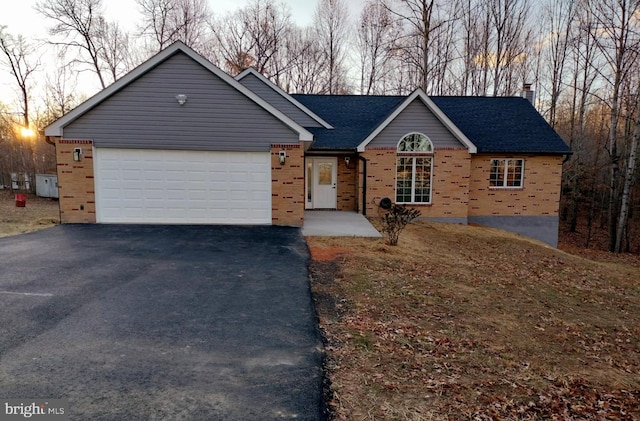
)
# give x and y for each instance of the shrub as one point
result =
(394, 220)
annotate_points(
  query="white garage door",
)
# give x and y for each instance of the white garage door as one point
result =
(182, 187)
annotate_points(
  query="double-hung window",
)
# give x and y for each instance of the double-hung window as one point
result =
(414, 168)
(506, 173)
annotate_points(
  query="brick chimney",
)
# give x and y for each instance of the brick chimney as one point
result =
(528, 93)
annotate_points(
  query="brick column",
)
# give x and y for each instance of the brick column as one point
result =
(75, 182)
(287, 186)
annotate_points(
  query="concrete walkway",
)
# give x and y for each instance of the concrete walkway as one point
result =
(337, 224)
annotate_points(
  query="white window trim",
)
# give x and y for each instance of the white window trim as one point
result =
(506, 172)
(415, 154)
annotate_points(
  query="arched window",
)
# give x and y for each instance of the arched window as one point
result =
(415, 142)
(414, 169)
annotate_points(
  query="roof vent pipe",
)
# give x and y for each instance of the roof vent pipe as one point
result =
(528, 93)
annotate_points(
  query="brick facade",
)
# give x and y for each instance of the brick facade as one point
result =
(347, 184)
(287, 186)
(539, 195)
(75, 182)
(450, 181)
(460, 184)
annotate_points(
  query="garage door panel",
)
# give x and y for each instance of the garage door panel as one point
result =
(151, 186)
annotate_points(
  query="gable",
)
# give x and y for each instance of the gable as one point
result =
(416, 117)
(146, 114)
(277, 99)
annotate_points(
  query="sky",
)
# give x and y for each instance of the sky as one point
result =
(20, 17)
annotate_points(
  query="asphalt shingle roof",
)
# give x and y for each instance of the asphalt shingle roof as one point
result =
(493, 124)
(502, 124)
(353, 117)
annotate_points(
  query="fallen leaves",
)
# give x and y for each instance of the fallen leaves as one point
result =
(439, 328)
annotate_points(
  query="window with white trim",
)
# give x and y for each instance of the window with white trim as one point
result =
(506, 173)
(414, 166)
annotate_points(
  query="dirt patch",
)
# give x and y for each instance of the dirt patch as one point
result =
(463, 322)
(38, 213)
(323, 253)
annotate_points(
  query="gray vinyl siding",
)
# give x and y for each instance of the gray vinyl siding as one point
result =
(278, 101)
(416, 118)
(145, 114)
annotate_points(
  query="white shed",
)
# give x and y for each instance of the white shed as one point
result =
(47, 185)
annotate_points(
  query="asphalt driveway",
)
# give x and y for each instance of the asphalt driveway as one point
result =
(161, 322)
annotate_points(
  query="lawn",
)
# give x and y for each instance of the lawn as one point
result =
(471, 323)
(38, 213)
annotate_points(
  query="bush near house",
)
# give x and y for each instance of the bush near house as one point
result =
(394, 219)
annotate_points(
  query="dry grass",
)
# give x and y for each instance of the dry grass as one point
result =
(38, 213)
(473, 323)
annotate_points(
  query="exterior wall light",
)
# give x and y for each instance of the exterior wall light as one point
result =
(182, 99)
(347, 159)
(77, 152)
(282, 155)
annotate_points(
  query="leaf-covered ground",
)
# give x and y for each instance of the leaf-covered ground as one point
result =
(38, 213)
(472, 323)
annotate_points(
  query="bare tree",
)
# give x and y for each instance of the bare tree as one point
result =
(510, 35)
(560, 15)
(305, 74)
(17, 57)
(331, 24)
(114, 49)
(629, 177)
(166, 21)
(60, 92)
(234, 42)
(472, 31)
(581, 69)
(16, 54)
(268, 25)
(77, 23)
(617, 37)
(377, 33)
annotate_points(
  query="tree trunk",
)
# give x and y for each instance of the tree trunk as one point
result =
(628, 183)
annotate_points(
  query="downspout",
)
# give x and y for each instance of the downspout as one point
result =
(364, 184)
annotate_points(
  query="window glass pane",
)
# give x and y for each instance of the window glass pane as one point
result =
(325, 174)
(496, 176)
(404, 174)
(423, 180)
(514, 173)
(415, 142)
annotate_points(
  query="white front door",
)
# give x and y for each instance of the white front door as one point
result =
(325, 178)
